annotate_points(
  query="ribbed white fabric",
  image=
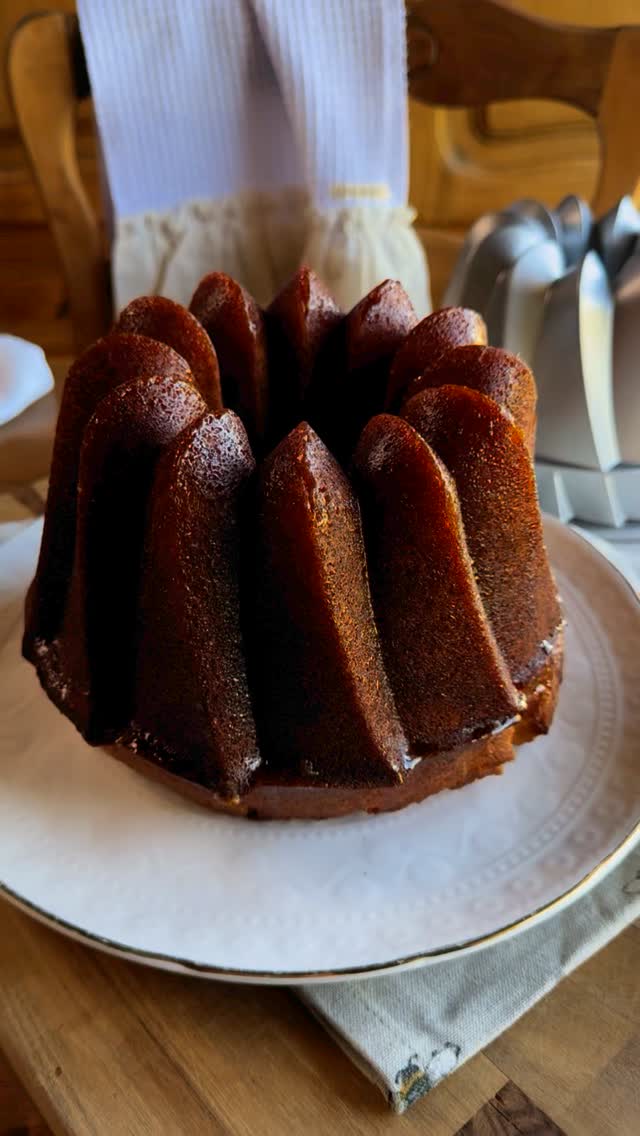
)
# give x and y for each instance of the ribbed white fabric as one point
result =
(250, 136)
(341, 65)
(186, 102)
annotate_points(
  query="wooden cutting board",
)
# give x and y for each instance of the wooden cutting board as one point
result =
(104, 1047)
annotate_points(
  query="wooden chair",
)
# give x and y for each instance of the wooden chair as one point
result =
(461, 53)
(483, 156)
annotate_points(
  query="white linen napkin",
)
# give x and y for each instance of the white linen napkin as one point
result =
(25, 376)
(250, 136)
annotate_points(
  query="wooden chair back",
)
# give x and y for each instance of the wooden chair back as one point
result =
(462, 53)
(47, 78)
(470, 53)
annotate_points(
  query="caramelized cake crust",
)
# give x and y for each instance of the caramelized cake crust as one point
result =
(232, 632)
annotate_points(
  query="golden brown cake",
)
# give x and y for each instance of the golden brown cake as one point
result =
(449, 677)
(487, 457)
(323, 697)
(299, 605)
(236, 327)
(428, 341)
(89, 665)
(189, 610)
(489, 370)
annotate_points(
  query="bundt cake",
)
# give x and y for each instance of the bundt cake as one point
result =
(292, 562)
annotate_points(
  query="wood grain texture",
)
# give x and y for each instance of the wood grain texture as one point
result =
(462, 162)
(510, 1113)
(617, 122)
(503, 54)
(11, 12)
(17, 1113)
(104, 1046)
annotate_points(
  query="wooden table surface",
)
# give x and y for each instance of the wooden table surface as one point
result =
(94, 1045)
(107, 1047)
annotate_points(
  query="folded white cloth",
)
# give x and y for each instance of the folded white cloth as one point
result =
(25, 376)
(250, 136)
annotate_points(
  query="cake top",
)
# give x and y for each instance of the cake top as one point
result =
(302, 359)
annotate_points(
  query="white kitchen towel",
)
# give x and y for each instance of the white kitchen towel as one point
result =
(342, 68)
(250, 136)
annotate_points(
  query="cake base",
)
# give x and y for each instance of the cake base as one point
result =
(306, 800)
(542, 694)
(270, 798)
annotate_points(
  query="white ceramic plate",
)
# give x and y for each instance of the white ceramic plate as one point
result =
(100, 852)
